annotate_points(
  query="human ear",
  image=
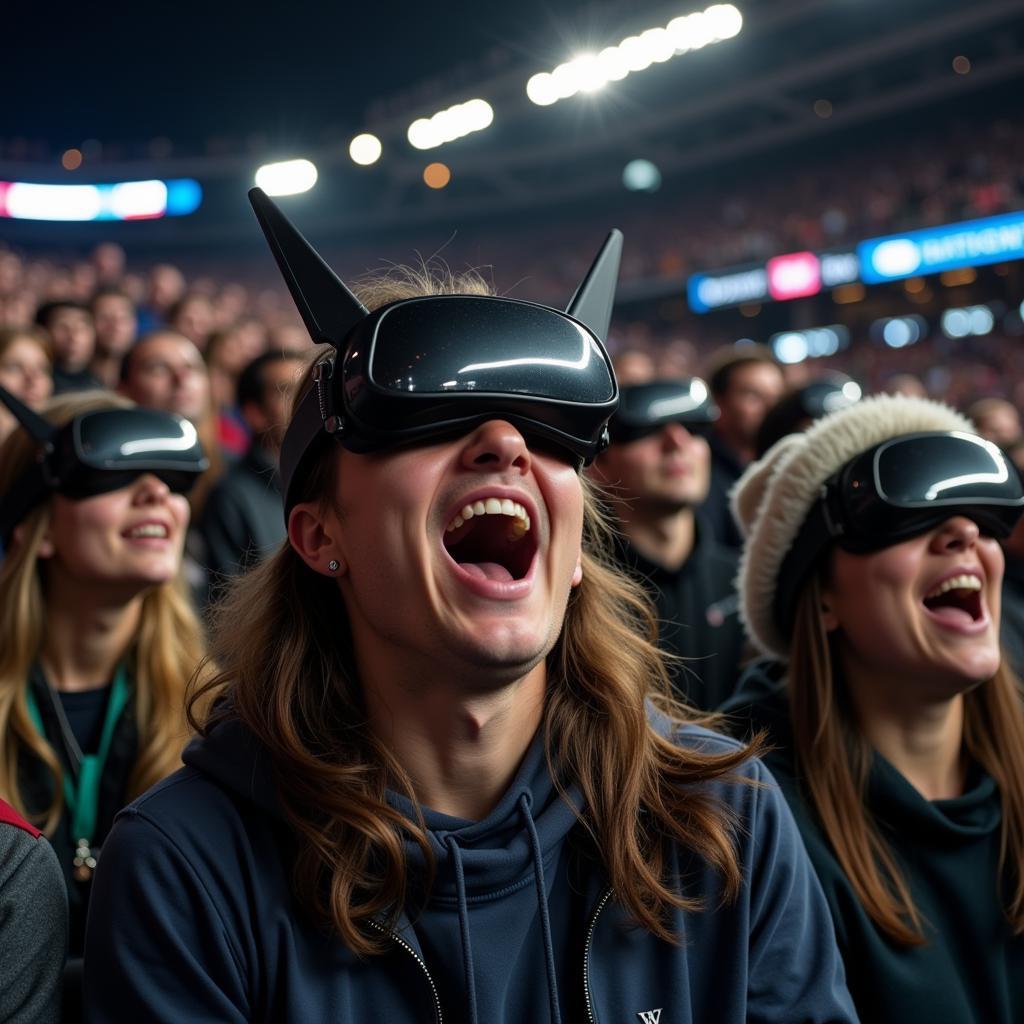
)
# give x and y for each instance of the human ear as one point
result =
(316, 539)
(577, 573)
(46, 547)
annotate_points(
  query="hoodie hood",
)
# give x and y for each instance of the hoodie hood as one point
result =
(234, 758)
(497, 852)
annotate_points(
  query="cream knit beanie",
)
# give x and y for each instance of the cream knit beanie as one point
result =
(771, 499)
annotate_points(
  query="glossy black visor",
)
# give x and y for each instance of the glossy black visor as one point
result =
(424, 369)
(646, 408)
(897, 490)
(101, 451)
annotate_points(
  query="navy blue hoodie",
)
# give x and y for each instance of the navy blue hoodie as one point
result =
(193, 917)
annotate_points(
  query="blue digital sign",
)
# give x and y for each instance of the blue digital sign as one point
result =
(971, 243)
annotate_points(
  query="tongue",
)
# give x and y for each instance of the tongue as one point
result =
(951, 614)
(487, 571)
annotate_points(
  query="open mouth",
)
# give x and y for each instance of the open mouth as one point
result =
(956, 599)
(492, 539)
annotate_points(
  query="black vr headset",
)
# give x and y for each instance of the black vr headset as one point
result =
(897, 490)
(424, 369)
(645, 408)
(97, 452)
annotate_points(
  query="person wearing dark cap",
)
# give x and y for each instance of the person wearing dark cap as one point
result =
(871, 575)
(745, 382)
(654, 475)
(798, 408)
(430, 781)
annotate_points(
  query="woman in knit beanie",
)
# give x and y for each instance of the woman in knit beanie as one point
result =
(870, 578)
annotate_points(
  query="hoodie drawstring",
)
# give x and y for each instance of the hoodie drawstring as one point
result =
(467, 947)
(542, 906)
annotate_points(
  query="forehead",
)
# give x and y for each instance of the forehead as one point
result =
(68, 314)
(108, 303)
(24, 347)
(166, 349)
(759, 375)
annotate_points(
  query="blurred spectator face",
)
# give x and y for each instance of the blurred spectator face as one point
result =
(193, 317)
(238, 347)
(906, 384)
(108, 259)
(633, 367)
(83, 281)
(166, 286)
(17, 310)
(166, 371)
(289, 338)
(663, 472)
(10, 273)
(752, 390)
(74, 338)
(115, 321)
(997, 420)
(269, 418)
(25, 371)
(230, 305)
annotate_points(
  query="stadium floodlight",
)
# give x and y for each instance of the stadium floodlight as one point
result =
(590, 72)
(365, 149)
(125, 200)
(287, 178)
(448, 125)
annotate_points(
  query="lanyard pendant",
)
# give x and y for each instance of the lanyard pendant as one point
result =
(84, 861)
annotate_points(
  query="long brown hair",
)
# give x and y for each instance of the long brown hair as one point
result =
(164, 652)
(288, 672)
(834, 760)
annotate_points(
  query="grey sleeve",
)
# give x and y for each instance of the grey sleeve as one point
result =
(33, 929)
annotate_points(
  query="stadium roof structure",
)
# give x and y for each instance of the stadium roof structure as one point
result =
(799, 70)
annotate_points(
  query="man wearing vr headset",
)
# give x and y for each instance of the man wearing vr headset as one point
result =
(430, 784)
(655, 476)
(872, 572)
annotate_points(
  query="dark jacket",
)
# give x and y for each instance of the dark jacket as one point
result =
(726, 469)
(698, 616)
(33, 924)
(243, 518)
(36, 788)
(194, 918)
(971, 971)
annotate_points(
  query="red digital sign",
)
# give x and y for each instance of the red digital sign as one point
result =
(794, 275)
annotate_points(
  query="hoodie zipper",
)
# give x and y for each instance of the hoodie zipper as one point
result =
(399, 941)
(586, 956)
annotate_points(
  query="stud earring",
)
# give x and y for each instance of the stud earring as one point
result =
(334, 565)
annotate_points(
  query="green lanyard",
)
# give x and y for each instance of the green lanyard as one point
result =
(82, 796)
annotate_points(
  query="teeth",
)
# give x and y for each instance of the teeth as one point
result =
(963, 582)
(149, 530)
(495, 507)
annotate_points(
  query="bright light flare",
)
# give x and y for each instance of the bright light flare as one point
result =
(365, 149)
(287, 178)
(448, 125)
(589, 73)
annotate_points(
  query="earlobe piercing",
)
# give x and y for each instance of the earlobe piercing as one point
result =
(334, 565)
